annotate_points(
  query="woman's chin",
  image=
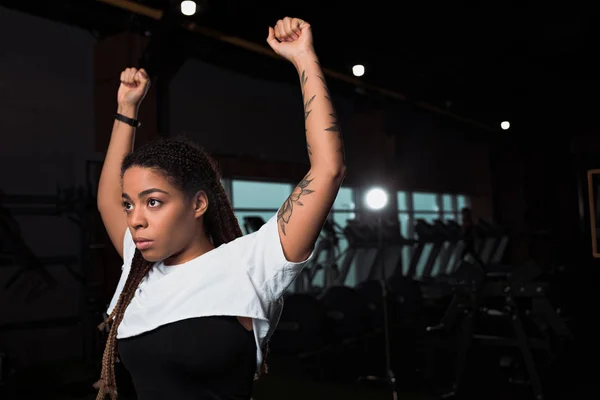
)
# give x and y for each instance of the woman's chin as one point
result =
(151, 256)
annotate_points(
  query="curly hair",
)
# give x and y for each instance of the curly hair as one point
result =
(189, 168)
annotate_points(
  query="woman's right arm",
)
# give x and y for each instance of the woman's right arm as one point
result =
(133, 88)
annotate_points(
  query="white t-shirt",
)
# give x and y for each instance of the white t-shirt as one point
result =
(246, 277)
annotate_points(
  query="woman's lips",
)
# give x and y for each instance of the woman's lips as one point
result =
(143, 244)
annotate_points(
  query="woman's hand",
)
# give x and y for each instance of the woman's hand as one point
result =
(134, 86)
(291, 38)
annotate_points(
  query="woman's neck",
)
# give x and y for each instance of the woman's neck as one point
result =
(196, 248)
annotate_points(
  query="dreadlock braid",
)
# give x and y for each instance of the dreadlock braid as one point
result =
(107, 385)
(222, 225)
(189, 168)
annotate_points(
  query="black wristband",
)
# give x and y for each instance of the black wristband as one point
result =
(129, 121)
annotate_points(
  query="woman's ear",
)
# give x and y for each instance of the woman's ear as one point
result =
(200, 203)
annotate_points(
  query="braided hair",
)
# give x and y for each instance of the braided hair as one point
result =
(188, 167)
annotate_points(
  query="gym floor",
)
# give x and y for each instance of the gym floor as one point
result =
(73, 380)
(70, 381)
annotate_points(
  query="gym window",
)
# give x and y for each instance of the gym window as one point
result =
(257, 199)
(427, 206)
(263, 199)
(413, 206)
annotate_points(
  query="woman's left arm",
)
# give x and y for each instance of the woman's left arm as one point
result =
(302, 215)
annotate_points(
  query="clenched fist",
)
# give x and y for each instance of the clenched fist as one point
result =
(291, 38)
(133, 88)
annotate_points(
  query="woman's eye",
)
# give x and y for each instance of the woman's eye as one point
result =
(153, 203)
(126, 205)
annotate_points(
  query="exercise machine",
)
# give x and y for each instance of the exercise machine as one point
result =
(515, 300)
(325, 260)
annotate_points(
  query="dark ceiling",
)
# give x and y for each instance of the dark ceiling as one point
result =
(486, 61)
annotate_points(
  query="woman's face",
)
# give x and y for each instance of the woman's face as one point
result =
(163, 222)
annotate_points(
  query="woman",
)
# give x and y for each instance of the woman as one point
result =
(197, 301)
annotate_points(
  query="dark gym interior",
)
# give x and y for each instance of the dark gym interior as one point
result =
(476, 119)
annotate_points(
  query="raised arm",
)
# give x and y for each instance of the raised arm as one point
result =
(133, 88)
(302, 215)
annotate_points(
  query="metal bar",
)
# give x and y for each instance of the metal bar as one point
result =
(136, 8)
(256, 210)
(534, 377)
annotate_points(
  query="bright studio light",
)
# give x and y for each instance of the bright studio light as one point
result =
(358, 70)
(505, 125)
(188, 7)
(376, 198)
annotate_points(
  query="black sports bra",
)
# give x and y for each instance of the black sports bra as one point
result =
(198, 358)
